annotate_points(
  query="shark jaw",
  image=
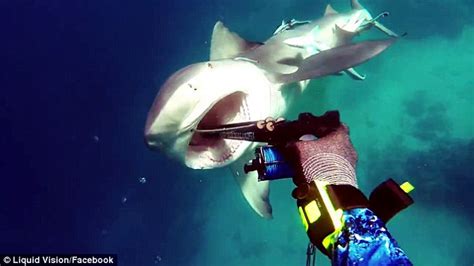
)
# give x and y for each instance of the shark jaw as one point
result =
(210, 96)
(205, 152)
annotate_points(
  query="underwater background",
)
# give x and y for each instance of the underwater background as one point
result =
(78, 78)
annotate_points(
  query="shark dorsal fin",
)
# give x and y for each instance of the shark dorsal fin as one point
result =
(227, 44)
(330, 10)
(356, 5)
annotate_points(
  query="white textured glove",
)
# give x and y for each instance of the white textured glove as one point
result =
(331, 159)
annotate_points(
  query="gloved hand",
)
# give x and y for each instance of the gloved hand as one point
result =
(331, 158)
(364, 240)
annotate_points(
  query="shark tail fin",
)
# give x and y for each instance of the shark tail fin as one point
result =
(227, 44)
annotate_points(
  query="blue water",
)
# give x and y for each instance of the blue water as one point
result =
(78, 77)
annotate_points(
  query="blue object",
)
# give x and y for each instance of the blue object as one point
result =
(364, 240)
(275, 166)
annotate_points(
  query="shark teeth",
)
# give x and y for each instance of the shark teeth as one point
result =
(226, 151)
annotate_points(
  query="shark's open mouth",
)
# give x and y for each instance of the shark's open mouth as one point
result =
(207, 152)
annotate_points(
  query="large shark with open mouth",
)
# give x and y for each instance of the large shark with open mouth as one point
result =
(250, 81)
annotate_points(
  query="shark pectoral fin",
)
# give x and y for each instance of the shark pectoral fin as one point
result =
(227, 44)
(256, 193)
(354, 74)
(334, 60)
(343, 36)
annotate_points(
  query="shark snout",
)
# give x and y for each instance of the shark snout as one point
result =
(152, 143)
(156, 137)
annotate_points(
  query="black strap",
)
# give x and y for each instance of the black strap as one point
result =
(347, 197)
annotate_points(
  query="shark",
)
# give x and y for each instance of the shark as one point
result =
(250, 81)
